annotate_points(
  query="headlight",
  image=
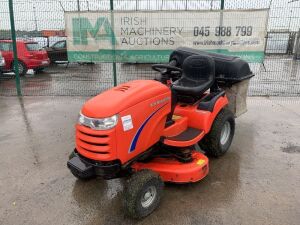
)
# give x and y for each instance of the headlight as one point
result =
(98, 124)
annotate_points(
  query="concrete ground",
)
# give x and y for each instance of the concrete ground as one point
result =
(256, 182)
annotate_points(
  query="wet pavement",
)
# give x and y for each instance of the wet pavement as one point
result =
(276, 77)
(256, 182)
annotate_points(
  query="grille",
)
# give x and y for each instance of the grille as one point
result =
(88, 140)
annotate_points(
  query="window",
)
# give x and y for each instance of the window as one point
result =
(33, 46)
(61, 44)
(5, 46)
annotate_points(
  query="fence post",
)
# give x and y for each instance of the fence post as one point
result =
(113, 42)
(297, 47)
(78, 6)
(14, 43)
(222, 4)
(221, 21)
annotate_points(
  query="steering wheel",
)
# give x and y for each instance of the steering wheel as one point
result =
(165, 68)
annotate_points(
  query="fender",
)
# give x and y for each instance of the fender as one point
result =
(201, 119)
(221, 103)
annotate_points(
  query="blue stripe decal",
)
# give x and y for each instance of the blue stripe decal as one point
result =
(138, 133)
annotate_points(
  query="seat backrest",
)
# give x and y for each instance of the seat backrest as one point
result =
(199, 68)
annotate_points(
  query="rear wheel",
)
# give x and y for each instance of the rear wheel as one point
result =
(22, 68)
(217, 142)
(142, 193)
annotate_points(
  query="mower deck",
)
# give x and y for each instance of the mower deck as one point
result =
(171, 170)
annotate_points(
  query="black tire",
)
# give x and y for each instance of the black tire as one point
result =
(139, 186)
(22, 68)
(212, 143)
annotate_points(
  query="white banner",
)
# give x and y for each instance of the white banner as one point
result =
(150, 36)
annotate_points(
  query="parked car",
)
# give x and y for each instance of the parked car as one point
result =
(2, 63)
(58, 51)
(30, 56)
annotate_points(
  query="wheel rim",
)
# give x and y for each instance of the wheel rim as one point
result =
(225, 133)
(20, 67)
(148, 197)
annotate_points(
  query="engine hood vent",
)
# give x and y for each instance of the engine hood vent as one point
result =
(122, 88)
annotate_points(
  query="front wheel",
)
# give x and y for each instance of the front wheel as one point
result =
(217, 142)
(142, 193)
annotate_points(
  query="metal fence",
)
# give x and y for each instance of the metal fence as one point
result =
(43, 21)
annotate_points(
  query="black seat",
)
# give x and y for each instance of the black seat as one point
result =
(198, 76)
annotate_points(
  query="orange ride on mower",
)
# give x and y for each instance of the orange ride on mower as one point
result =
(146, 130)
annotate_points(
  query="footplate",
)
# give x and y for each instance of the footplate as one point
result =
(189, 137)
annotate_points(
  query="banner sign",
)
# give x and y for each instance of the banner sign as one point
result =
(150, 36)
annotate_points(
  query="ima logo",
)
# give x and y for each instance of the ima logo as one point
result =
(84, 31)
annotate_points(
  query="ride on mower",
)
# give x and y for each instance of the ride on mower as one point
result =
(146, 130)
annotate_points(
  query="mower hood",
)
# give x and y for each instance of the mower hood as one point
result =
(122, 97)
